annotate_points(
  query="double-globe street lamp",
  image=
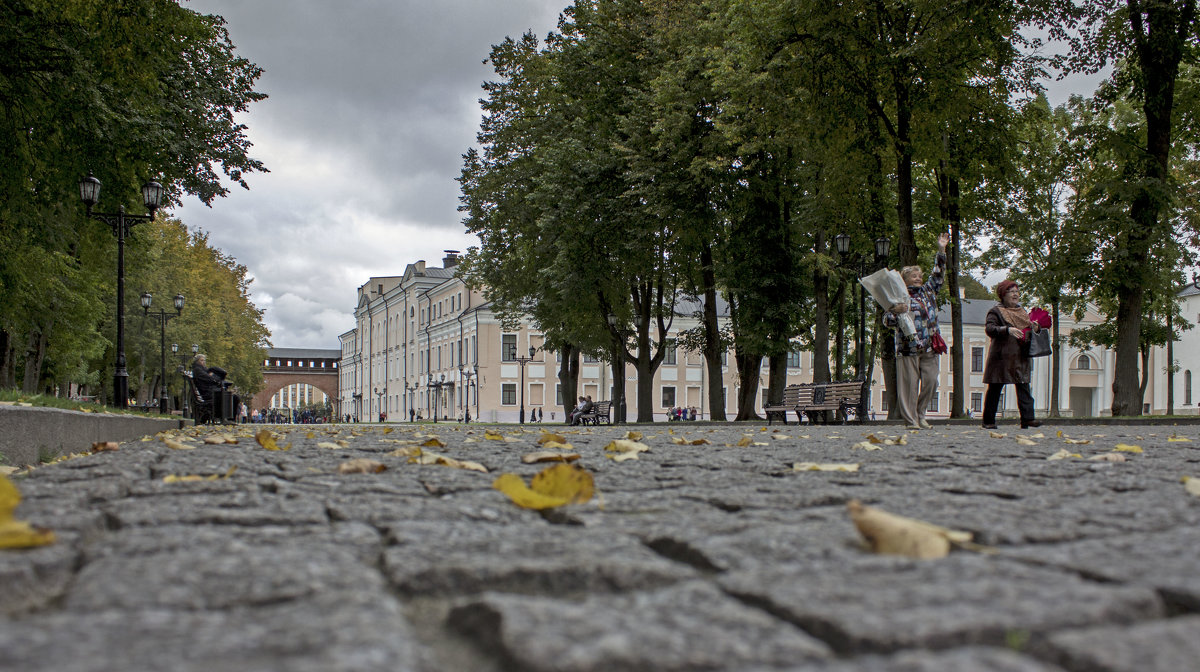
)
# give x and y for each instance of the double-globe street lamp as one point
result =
(163, 317)
(410, 389)
(523, 361)
(89, 191)
(856, 261)
(464, 372)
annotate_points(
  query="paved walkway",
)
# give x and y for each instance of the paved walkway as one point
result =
(693, 557)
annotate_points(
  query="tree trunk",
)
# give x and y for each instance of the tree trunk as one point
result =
(748, 366)
(712, 336)
(777, 377)
(34, 354)
(820, 318)
(618, 377)
(1055, 360)
(8, 363)
(948, 189)
(839, 347)
(568, 377)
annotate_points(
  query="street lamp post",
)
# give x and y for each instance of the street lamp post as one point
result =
(379, 401)
(466, 373)
(121, 223)
(163, 317)
(410, 389)
(437, 392)
(855, 261)
(523, 361)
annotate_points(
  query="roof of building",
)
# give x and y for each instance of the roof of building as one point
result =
(974, 311)
(304, 353)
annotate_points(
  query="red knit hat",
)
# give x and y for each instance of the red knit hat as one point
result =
(1004, 286)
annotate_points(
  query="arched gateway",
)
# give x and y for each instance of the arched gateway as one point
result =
(289, 366)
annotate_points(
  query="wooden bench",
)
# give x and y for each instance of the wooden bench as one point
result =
(845, 398)
(790, 402)
(600, 414)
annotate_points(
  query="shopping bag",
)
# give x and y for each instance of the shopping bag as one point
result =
(888, 288)
(1038, 343)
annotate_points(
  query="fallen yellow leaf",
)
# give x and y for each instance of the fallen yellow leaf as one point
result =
(554, 486)
(175, 445)
(744, 441)
(633, 436)
(830, 466)
(681, 441)
(102, 446)
(1107, 457)
(329, 444)
(17, 533)
(434, 442)
(549, 437)
(626, 446)
(1022, 441)
(1192, 485)
(360, 465)
(548, 456)
(997, 435)
(408, 451)
(555, 445)
(866, 445)
(1126, 448)
(428, 458)
(1064, 454)
(1082, 442)
(890, 534)
(267, 440)
(1177, 438)
(491, 435)
(176, 478)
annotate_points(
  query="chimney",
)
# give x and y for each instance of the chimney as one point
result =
(420, 267)
(451, 259)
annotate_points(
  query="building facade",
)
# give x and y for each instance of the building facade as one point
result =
(425, 344)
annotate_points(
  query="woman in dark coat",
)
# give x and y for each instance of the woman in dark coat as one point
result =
(1008, 361)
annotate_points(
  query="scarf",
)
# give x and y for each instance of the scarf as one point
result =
(1015, 317)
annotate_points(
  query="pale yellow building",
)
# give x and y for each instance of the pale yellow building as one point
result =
(423, 342)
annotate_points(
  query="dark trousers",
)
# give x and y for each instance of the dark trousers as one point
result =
(992, 399)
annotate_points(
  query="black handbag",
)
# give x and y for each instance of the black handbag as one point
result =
(1039, 343)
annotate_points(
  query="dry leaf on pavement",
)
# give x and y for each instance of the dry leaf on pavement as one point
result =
(361, 465)
(1126, 448)
(177, 478)
(548, 456)
(827, 466)
(890, 534)
(548, 437)
(624, 449)
(101, 446)
(681, 441)
(744, 441)
(1078, 442)
(1192, 485)
(430, 458)
(175, 445)
(866, 445)
(1022, 441)
(1107, 457)
(1177, 438)
(17, 533)
(267, 440)
(554, 486)
(997, 435)
(633, 436)
(1064, 454)
(492, 435)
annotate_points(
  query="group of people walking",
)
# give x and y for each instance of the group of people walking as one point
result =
(1009, 326)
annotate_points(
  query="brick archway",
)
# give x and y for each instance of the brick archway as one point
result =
(275, 381)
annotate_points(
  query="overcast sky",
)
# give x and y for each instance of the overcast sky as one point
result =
(372, 104)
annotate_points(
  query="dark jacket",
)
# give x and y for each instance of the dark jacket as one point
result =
(204, 379)
(1006, 360)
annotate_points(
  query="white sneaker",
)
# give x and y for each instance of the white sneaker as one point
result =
(925, 424)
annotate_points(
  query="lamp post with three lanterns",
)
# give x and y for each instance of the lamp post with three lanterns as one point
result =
(163, 317)
(121, 223)
(856, 262)
(523, 361)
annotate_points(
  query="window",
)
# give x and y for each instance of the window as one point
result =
(724, 358)
(1187, 387)
(508, 394)
(933, 402)
(508, 348)
(977, 402)
(1084, 363)
(793, 359)
(670, 356)
(976, 360)
(883, 405)
(558, 394)
(668, 397)
(724, 397)
(590, 359)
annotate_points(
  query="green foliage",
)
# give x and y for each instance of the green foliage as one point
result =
(131, 90)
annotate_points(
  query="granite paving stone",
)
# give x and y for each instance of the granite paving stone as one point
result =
(692, 557)
(1173, 644)
(692, 626)
(885, 604)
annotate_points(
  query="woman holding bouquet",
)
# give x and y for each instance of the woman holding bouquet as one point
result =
(1008, 362)
(917, 354)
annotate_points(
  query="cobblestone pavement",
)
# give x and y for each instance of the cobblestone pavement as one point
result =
(693, 557)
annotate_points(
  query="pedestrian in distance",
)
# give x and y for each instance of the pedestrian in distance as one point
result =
(1008, 361)
(917, 355)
